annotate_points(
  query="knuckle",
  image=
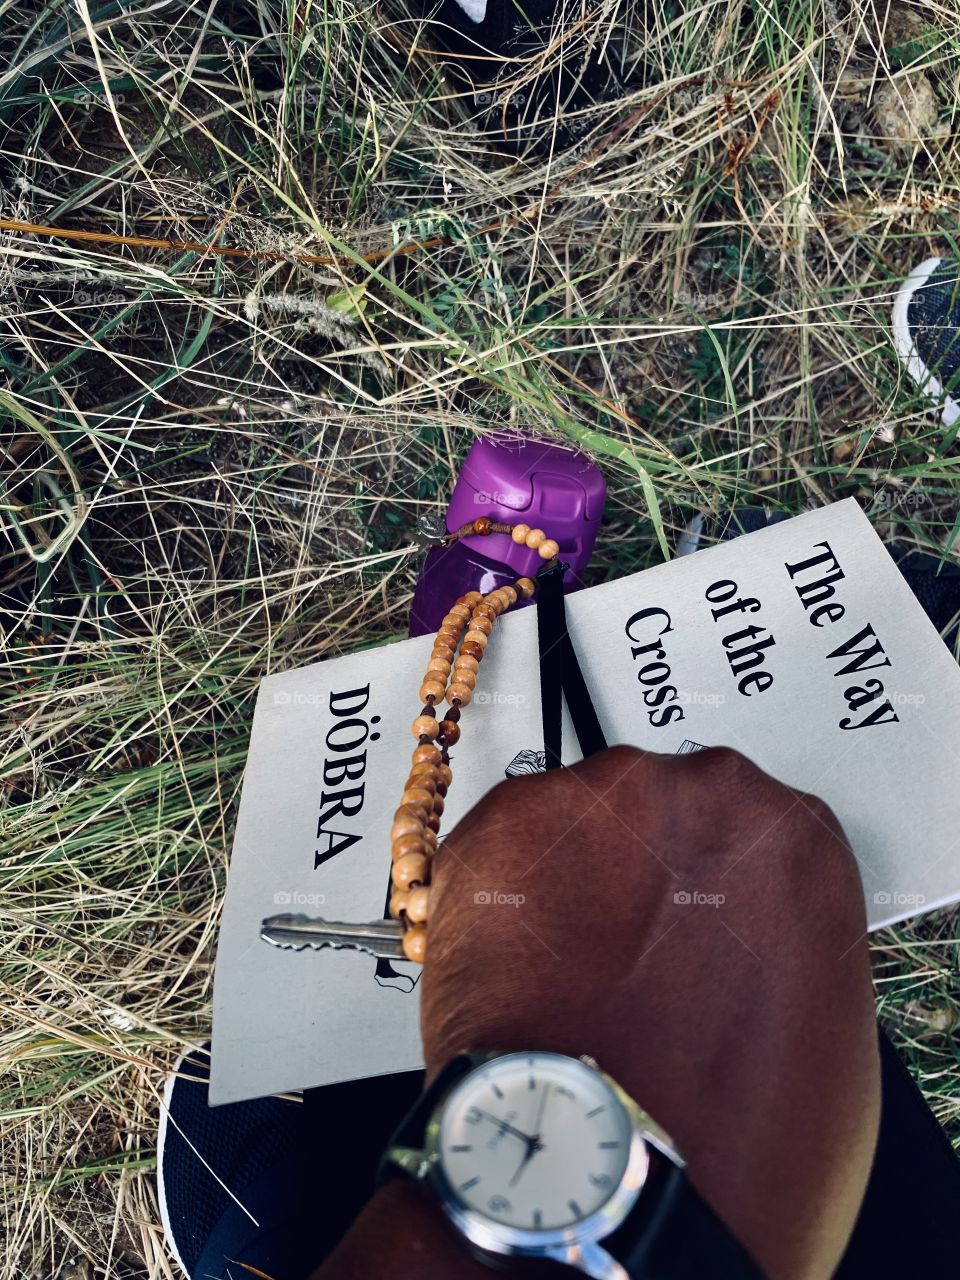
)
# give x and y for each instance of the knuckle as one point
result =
(612, 762)
(813, 831)
(820, 812)
(618, 760)
(506, 806)
(824, 826)
(623, 751)
(727, 764)
(516, 791)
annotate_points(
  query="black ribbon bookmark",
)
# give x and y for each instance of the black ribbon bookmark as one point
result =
(561, 676)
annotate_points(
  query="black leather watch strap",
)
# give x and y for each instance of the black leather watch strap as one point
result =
(414, 1125)
(672, 1234)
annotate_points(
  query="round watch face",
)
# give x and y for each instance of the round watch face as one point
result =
(534, 1141)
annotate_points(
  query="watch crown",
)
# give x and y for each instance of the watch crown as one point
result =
(587, 1061)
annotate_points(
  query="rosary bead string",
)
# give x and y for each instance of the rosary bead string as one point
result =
(451, 676)
(521, 534)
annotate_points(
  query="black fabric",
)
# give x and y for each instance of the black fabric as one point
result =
(520, 97)
(731, 524)
(301, 1170)
(346, 1129)
(936, 584)
(907, 1222)
(933, 317)
(250, 1148)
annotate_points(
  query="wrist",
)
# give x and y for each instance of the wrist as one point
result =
(401, 1232)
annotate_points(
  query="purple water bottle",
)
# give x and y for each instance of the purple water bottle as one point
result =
(511, 477)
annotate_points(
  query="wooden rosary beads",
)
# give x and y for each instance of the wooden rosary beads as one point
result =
(451, 675)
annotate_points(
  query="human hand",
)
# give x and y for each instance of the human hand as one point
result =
(699, 929)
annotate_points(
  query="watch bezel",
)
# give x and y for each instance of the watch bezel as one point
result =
(498, 1237)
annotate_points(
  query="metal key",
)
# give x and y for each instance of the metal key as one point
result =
(381, 938)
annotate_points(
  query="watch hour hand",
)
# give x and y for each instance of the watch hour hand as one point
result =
(528, 1155)
(506, 1127)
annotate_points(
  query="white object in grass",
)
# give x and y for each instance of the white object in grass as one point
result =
(925, 379)
(476, 10)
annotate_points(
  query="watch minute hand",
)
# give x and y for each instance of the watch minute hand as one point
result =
(540, 1111)
(534, 1144)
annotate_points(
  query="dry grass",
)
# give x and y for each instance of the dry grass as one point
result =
(213, 464)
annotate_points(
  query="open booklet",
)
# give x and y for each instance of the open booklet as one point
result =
(800, 645)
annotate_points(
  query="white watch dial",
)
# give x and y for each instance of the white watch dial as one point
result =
(537, 1141)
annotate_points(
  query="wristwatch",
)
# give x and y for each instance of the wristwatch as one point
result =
(540, 1155)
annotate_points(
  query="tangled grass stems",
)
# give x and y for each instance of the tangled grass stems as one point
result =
(213, 463)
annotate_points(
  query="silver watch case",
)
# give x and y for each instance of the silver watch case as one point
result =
(578, 1246)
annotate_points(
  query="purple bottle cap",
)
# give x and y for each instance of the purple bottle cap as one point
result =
(518, 478)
